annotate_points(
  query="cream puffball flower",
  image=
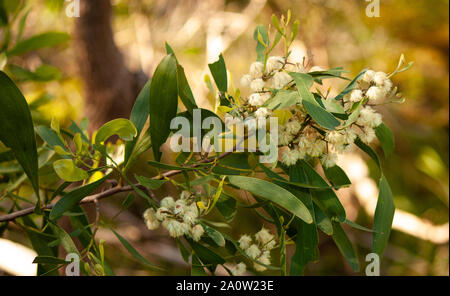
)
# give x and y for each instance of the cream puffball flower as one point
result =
(275, 63)
(290, 157)
(238, 269)
(368, 117)
(245, 241)
(375, 94)
(281, 79)
(168, 202)
(356, 96)
(150, 219)
(369, 76)
(293, 127)
(253, 251)
(197, 232)
(246, 80)
(379, 78)
(262, 113)
(256, 69)
(329, 160)
(263, 236)
(255, 99)
(367, 135)
(257, 84)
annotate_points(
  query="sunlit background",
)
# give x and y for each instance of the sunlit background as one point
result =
(333, 33)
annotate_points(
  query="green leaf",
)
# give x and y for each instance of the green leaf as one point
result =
(368, 150)
(40, 41)
(133, 251)
(142, 146)
(16, 130)
(219, 73)
(282, 99)
(72, 198)
(327, 198)
(260, 33)
(206, 255)
(150, 183)
(64, 239)
(216, 236)
(43, 73)
(197, 267)
(317, 112)
(322, 221)
(345, 246)
(337, 177)
(384, 215)
(226, 205)
(66, 170)
(351, 86)
(273, 193)
(49, 260)
(184, 252)
(122, 127)
(49, 136)
(163, 102)
(386, 138)
(357, 226)
(138, 117)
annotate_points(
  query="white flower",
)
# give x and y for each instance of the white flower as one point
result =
(245, 241)
(246, 80)
(274, 63)
(368, 117)
(189, 217)
(162, 213)
(168, 202)
(349, 135)
(256, 69)
(356, 95)
(262, 113)
(335, 138)
(375, 94)
(193, 209)
(284, 138)
(329, 160)
(290, 157)
(253, 251)
(179, 207)
(255, 99)
(257, 84)
(368, 77)
(263, 236)
(379, 78)
(367, 135)
(317, 148)
(238, 269)
(293, 127)
(197, 232)
(280, 79)
(264, 259)
(175, 228)
(150, 219)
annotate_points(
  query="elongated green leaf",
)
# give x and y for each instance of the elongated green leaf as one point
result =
(351, 86)
(273, 193)
(219, 73)
(206, 255)
(317, 112)
(327, 199)
(282, 99)
(68, 171)
(42, 74)
(364, 147)
(260, 34)
(357, 226)
(226, 205)
(322, 221)
(40, 41)
(50, 136)
(64, 239)
(184, 252)
(384, 215)
(16, 130)
(122, 127)
(150, 183)
(197, 267)
(163, 102)
(71, 199)
(345, 246)
(337, 177)
(138, 116)
(215, 235)
(49, 260)
(134, 253)
(386, 138)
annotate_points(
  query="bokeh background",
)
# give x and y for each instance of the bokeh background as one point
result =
(332, 33)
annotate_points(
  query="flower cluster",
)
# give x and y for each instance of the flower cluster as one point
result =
(300, 137)
(177, 217)
(258, 248)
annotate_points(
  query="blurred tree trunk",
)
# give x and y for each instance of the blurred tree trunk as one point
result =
(110, 88)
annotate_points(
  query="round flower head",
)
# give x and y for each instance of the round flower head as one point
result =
(281, 79)
(238, 269)
(274, 63)
(256, 69)
(253, 251)
(356, 95)
(263, 236)
(197, 232)
(150, 219)
(175, 228)
(245, 241)
(264, 259)
(368, 117)
(375, 94)
(179, 207)
(317, 148)
(246, 80)
(257, 84)
(329, 160)
(367, 135)
(168, 202)
(162, 213)
(262, 113)
(335, 138)
(290, 157)
(379, 78)
(293, 126)
(369, 76)
(349, 136)
(284, 137)
(255, 100)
